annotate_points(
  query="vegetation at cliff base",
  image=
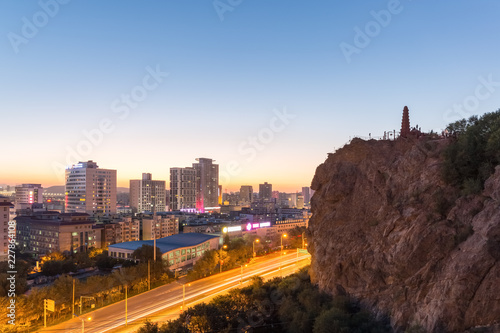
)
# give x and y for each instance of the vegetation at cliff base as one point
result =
(472, 157)
(291, 304)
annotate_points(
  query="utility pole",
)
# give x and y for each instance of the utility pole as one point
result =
(303, 234)
(149, 274)
(73, 307)
(154, 221)
(126, 308)
(220, 257)
(253, 246)
(281, 256)
(44, 313)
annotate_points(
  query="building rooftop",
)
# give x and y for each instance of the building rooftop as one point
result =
(167, 244)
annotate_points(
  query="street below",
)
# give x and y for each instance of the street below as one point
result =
(166, 302)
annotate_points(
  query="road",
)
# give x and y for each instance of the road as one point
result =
(165, 302)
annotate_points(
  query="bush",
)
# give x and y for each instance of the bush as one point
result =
(290, 304)
(472, 157)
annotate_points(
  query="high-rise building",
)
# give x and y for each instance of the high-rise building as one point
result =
(265, 191)
(306, 193)
(27, 195)
(90, 189)
(246, 194)
(5, 206)
(207, 184)
(300, 201)
(182, 188)
(220, 195)
(147, 195)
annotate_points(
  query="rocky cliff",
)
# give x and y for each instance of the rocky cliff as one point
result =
(387, 230)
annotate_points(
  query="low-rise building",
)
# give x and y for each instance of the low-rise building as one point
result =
(179, 250)
(27, 195)
(285, 225)
(126, 230)
(45, 232)
(164, 226)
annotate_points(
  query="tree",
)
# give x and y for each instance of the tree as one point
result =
(52, 256)
(52, 267)
(204, 266)
(146, 252)
(295, 237)
(472, 157)
(104, 262)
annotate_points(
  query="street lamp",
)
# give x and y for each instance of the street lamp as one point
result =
(220, 257)
(241, 274)
(281, 257)
(83, 323)
(184, 293)
(253, 246)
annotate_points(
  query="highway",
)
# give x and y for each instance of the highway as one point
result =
(165, 302)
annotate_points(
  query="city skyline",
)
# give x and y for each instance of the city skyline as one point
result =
(126, 183)
(145, 88)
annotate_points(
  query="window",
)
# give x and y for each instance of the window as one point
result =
(183, 252)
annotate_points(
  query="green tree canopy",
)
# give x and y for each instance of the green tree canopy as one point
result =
(472, 158)
(146, 252)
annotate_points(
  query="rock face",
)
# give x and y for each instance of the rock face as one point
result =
(387, 230)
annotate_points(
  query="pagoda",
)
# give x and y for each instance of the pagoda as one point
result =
(405, 123)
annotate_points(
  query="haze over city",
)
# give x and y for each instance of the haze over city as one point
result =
(284, 166)
(211, 80)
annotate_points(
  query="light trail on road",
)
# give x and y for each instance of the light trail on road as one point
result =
(169, 298)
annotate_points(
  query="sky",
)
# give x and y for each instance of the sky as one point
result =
(265, 88)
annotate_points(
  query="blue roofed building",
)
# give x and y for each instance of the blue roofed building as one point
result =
(178, 250)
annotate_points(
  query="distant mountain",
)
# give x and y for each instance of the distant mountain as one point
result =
(55, 189)
(61, 189)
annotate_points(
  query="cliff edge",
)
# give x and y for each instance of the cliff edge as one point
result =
(387, 230)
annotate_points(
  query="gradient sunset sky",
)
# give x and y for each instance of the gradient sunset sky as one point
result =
(229, 73)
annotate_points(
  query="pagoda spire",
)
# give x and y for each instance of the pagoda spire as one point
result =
(405, 123)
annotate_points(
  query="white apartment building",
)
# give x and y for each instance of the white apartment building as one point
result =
(90, 189)
(147, 195)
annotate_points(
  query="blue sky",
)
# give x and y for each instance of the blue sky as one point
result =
(226, 79)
